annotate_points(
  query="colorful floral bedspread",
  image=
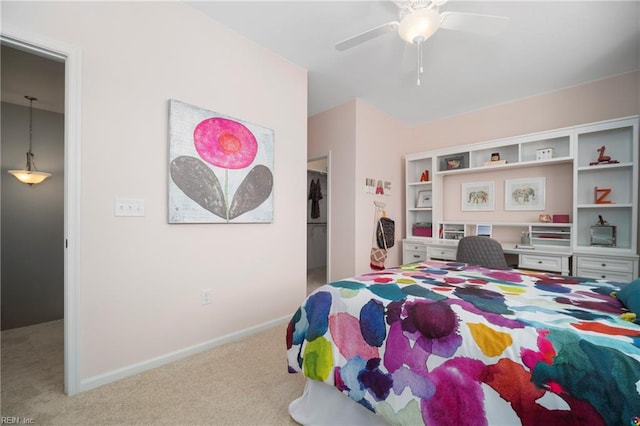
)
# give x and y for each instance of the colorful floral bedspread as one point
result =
(447, 343)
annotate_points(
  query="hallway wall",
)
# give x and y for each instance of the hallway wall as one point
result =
(32, 219)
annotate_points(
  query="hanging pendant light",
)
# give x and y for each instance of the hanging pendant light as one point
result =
(30, 173)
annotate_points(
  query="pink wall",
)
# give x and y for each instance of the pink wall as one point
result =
(334, 132)
(141, 278)
(613, 97)
(558, 198)
(379, 141)
(364, 143)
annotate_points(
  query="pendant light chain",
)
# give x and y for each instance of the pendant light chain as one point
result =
(31, 99)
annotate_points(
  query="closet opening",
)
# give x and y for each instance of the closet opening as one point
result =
(318, 222)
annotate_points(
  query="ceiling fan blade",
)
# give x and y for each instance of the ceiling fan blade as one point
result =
(367, 35)
(473, 23)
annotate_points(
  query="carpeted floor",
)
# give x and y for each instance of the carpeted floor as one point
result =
(241, 383)
(315, 278)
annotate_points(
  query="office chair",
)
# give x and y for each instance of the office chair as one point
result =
(481, 251)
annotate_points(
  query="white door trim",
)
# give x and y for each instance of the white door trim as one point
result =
(72, 57)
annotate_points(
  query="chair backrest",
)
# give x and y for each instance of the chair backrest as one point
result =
(481, 251)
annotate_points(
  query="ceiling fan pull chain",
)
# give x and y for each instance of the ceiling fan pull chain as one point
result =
(420, 69)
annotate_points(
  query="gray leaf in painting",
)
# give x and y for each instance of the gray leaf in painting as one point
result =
(252, 192)
(199, 183)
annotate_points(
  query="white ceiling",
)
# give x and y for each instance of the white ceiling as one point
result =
(24, 74)
(548, 45)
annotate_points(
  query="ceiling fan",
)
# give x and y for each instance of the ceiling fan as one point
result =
(420, 19)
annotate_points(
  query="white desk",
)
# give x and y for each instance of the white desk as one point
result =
(548, 259)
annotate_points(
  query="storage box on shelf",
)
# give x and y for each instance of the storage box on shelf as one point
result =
(555, 243)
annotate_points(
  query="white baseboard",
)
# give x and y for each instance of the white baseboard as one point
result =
(133, 369)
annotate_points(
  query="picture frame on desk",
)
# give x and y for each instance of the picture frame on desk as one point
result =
(524, 194)
(478, 196)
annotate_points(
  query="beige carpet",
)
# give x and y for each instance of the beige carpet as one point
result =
(241, 383)
(315, 278)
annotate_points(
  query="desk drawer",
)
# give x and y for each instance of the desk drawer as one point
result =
(411, 256)
(601, 274)
(605, 264)
(542, 262)
(414, 247)
(445, 253)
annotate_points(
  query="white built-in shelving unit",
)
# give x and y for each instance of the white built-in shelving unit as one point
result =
(568, 243)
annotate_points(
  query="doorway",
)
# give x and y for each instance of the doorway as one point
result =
(318, 221)
(32, 215)
(70, 56)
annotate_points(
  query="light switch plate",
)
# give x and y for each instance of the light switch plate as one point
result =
(129, 207)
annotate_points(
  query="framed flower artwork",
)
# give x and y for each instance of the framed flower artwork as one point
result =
(220, 168)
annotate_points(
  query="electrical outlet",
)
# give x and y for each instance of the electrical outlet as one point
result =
(206, 296)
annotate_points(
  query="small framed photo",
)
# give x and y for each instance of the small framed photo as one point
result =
(483, 230)
(424, 199)
(452, 163)
(478, 196)
(524, 194)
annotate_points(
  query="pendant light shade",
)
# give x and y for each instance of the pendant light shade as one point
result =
(30, 173)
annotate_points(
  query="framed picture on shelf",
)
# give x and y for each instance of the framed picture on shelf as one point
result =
(478, 196)
(483, 230)
(524, 194)
(424, 199)
(452, 163)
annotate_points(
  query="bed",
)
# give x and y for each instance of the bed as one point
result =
(444, 343)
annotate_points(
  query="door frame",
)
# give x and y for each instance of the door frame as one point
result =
(37, 44)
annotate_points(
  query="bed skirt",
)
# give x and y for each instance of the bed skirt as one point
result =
(322, 404)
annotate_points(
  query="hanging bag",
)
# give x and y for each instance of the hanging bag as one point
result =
(378, 254)
(385, 234)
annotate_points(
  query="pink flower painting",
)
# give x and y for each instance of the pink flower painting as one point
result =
(225, 143)
(220, 168)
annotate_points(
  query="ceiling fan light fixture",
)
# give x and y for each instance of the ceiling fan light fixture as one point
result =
(419, 25)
